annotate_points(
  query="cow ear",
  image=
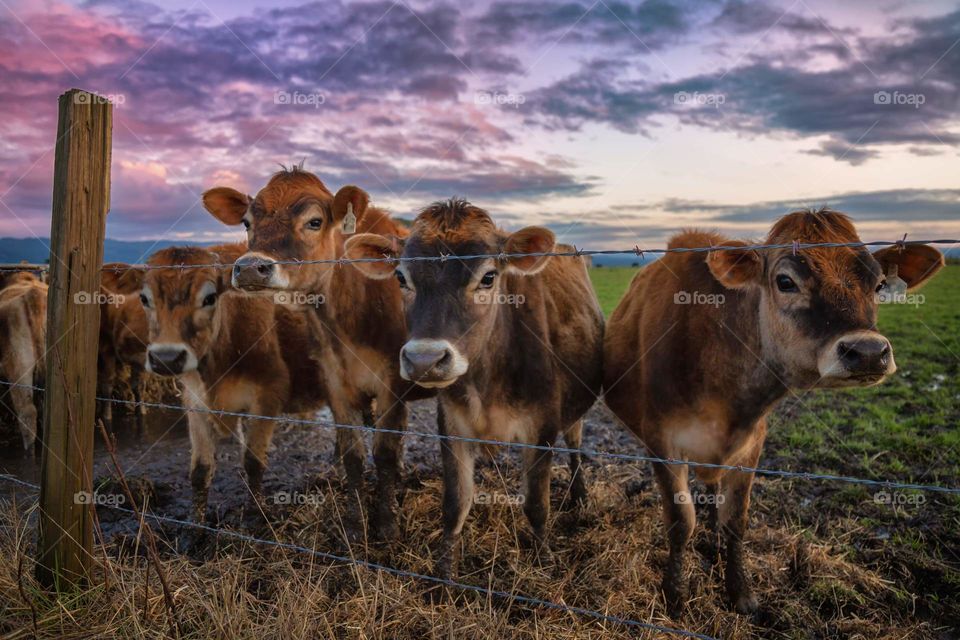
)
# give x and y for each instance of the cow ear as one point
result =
(349, 199)
(529, 240)
(226, 205)
(370, 246)
(735, 268)
(131, 280)
(916, 263)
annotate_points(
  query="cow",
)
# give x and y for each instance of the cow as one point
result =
(23, 321)
(358, 327)
(512, 345)
(123, 336)
(230, 352)
(704, 344)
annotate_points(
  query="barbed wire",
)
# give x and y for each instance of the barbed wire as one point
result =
(635, 251)
(630, 457)
(401, 573)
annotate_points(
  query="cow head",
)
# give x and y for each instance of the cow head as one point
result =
(451, 305)
(182, 307)
(293, 218)
(818, 307)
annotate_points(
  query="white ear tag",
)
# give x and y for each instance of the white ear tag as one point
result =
(349, 221)
(895, 289)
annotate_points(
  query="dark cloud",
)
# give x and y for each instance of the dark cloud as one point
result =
(890, 92)
(895, 205)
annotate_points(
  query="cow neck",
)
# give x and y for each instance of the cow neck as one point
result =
(759, 384)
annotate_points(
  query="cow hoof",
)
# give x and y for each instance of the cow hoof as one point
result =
(388, 531)
(543, 556)
(675, 596)
(746, 603)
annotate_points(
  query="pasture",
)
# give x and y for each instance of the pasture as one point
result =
(830, 559)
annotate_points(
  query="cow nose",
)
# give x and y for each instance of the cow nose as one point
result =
(420, 360)
(865, 355)
(167, 361)
(253, 272)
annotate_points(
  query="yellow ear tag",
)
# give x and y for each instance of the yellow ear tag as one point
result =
(349, 221)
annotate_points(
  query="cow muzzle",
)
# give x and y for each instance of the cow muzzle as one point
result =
(254, 272)
(170, 359)
(431, 363)
(860, 358)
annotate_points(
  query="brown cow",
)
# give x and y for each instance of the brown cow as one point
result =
(696, 381)
(514, 346)
(230, 352)
(123, 335)
(23, 321)
(358, 327)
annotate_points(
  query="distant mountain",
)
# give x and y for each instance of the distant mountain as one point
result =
(35, 250)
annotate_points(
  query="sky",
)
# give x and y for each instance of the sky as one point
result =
(615, 124)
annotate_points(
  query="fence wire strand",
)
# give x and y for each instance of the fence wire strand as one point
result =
(400, 573)
(635, 251)
(630, 457)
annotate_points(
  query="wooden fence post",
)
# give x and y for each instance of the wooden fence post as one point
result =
(81, 198)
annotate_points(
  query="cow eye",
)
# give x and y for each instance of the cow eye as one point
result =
(145, 301)
(209, 300)
(402, 279)
(487, 280)
(315, 224)
(883, 283)
(786, 284)
(246, 224)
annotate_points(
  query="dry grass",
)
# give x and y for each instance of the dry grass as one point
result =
(609, 559)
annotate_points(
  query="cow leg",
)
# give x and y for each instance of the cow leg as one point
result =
(713, 528)
(458, 463)
(388, 458)
(351, 454)
(259, 433)
(679, 519)
(732, 517)
(26, 410)
(536, 502)
(136, 386)
(573, 437)
(106, 375)
(203, 448)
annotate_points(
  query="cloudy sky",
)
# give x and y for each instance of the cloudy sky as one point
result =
(614, 123)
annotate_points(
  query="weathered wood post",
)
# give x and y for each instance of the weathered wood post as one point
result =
(81, 198)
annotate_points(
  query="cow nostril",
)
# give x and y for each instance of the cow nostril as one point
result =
(264, 268)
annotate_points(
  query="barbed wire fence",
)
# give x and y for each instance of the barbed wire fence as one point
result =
(619, 456)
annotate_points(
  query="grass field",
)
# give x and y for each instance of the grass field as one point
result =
(829, 560)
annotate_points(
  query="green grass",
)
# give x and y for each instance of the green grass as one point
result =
(610, 284)
(906, 430)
